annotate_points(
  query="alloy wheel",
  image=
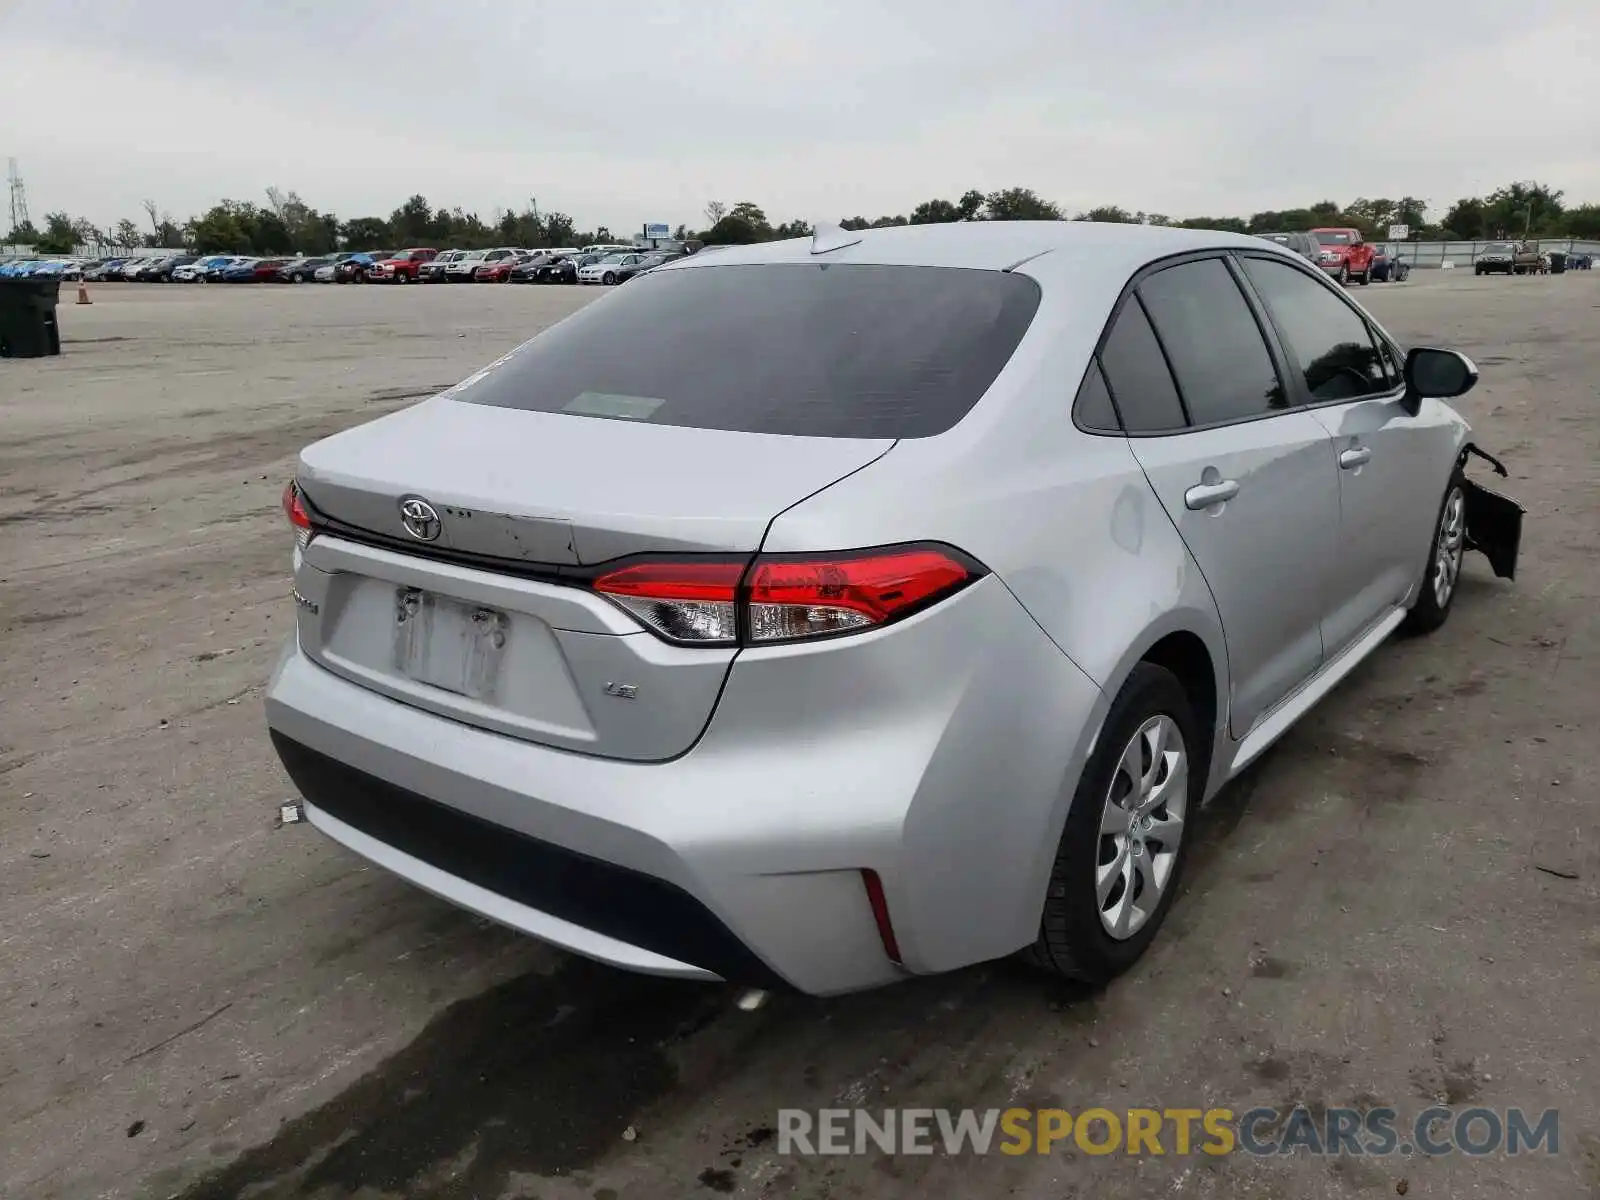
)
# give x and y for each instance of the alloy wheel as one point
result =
(1141, 827)
(1449, 547)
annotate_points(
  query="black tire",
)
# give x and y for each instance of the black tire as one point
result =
(401, 277)
(1366, 277)
(1073, 943)
(609, 278)
(1343, 277)
(1428, 613)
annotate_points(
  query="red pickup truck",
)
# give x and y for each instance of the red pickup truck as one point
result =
(1344, 254)
(402, 266)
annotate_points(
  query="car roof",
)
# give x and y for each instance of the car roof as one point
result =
(993, 246)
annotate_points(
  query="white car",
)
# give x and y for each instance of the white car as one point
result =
(461, 271)
(197, 271)
(325, 273)
(605, 270)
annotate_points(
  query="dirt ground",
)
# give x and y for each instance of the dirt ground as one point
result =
(1398, 905)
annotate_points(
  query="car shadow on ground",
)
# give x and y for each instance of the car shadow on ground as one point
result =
(541, 1074)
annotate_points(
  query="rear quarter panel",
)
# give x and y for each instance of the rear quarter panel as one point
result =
(1064, 519)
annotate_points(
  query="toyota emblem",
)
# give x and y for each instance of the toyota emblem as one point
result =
(420, 518)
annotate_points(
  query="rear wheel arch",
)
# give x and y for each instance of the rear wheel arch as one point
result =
(1185, 655)
(1200, 665)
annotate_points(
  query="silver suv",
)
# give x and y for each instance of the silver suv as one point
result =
(1303, 244)
(891, 604)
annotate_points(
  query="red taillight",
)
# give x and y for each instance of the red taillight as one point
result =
(805, 597)
(689, 601)
(784, 598)
(294, 508)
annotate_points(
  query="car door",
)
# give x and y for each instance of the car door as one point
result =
(1246, 476)
(1388, 488)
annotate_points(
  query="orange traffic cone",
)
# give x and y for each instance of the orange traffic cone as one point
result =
(83, 292)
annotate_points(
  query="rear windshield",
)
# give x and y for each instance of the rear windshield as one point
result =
(817, 350)
(1334, 237)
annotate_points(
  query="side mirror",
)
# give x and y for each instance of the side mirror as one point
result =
(1439, 374)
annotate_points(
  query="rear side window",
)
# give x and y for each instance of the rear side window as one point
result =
(1136, 372)
(1329, 339)
(1093, 407)
(1223, 367)
(818, 350)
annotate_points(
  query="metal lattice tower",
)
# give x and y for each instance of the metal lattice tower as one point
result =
(19, 195)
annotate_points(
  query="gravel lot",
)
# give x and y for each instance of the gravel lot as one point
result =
(197, 1001)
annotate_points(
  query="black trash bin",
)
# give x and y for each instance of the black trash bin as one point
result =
(1558, 262)
(28, 318)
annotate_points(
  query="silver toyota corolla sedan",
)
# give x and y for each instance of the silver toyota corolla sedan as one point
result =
(834, 610)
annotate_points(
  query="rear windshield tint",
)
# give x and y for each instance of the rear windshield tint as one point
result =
(818, 350)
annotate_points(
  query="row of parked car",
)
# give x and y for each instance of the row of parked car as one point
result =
(1344, 254)
(600, 264)
(597, 264)
(40, 268)
(1347, 256)
(1526, 258)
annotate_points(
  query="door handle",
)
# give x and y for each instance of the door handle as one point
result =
(1204, 495)
(1356, 456)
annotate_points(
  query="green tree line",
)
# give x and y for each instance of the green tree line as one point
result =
(286, 224)
(1514, 211)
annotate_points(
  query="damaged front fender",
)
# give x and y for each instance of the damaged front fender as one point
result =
(1494, 523)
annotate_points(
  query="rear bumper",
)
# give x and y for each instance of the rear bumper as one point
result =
(939, 759)
(536, 886)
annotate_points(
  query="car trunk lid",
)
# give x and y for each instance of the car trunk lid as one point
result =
(489, 620)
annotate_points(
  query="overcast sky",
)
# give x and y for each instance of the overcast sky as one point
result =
(619, 112)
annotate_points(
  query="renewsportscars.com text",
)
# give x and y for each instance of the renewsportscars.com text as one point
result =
(1373, 1132)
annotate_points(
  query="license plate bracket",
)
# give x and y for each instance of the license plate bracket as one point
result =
(447, 644)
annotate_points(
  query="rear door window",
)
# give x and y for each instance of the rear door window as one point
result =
(1223, 367)
(818, 350)
(1137, 375)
